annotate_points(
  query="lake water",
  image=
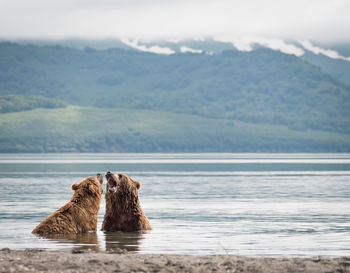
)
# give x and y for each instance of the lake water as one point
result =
(237, 204)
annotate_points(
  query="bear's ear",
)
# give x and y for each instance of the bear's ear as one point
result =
(138, 184)
(75, 187)
(99, 178)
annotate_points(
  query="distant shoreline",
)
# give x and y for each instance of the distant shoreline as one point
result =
(87, 261)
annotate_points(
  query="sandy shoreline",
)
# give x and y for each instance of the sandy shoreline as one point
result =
(81, 261)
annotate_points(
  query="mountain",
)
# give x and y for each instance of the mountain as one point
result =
(92, 129)
(337, 68)
(262, 100)
(333, 59)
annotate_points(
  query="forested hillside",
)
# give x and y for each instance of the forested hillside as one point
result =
(89, 129)
(338, 68)
(261, 88)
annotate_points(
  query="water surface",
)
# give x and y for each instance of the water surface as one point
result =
(239, 204)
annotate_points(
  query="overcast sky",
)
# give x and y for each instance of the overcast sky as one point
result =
(325, 21)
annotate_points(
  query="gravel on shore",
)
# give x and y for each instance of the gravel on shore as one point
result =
(33, 260)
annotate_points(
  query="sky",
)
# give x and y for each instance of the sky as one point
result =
(239, 21)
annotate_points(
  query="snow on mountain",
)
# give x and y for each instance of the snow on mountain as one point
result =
(298, 48)
(326, 52)
(325, 57)
(153, 49)
(248, 43)
(185, 49)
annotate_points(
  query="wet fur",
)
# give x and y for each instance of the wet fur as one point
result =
(79, 214)
(123, 207)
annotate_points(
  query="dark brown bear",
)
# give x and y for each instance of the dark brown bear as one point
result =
(79, 214)
(123, 208)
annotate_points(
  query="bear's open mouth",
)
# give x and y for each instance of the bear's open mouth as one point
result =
(112, 186)
(111, 182)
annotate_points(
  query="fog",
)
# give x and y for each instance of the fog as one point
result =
(322, 20)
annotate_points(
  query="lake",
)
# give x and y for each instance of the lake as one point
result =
(237, 204)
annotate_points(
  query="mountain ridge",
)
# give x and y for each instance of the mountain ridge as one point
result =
(262, 88)
(337, 67)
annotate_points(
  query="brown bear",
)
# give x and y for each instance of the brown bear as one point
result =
(79, 214)
(123, 208)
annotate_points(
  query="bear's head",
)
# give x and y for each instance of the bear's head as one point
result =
(121, 184)
(89, 187)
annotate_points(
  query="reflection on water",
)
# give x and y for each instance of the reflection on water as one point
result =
(80, 241)
(129, 241)
(114, 241)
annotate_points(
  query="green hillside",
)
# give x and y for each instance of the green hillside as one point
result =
(338, 68)
(262, 86)
(89, 129)
(133, 101)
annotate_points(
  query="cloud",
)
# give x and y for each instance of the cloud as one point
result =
(174, 41)
(185, 49)
(153, 49)
(318, 20)
(247, 43)
(277, 44)
(327, 52)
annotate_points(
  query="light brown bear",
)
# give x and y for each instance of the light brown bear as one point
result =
(123, 208)
(79, 214)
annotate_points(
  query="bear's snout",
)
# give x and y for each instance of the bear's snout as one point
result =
(108, 175)
(111, 182)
